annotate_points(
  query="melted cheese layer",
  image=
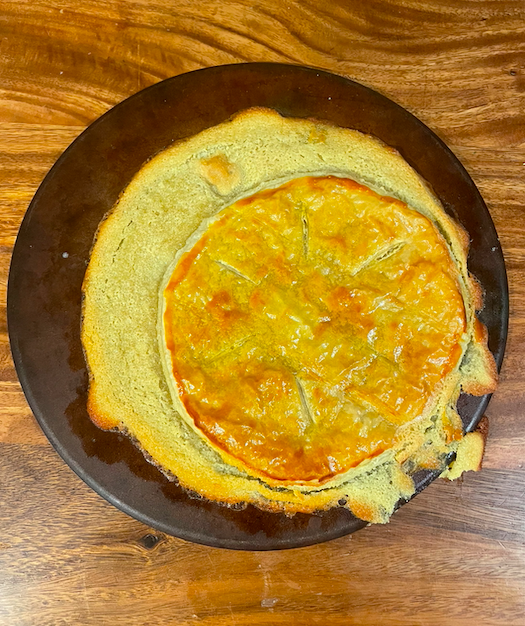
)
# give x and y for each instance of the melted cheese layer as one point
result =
(308, 324)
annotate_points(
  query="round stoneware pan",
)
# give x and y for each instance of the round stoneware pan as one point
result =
(53, 245)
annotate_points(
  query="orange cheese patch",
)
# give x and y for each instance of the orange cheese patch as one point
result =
(308, 323)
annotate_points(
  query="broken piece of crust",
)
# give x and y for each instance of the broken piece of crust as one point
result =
(469, 453)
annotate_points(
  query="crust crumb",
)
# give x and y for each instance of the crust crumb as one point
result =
(469, 454)
(222, 174)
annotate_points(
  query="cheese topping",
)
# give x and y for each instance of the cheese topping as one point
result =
(309, 323)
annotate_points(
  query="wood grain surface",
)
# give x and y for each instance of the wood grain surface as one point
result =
(456, 554)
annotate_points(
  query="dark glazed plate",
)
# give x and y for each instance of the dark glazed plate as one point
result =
(51, 254)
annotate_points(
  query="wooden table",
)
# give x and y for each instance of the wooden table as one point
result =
(456, 554)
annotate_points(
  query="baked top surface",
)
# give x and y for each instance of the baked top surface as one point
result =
(308, 323)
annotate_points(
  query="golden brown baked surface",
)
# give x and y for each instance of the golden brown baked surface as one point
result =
(309, 323)
(299, 287)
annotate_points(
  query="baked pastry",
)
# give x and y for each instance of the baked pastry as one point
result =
(279, 312)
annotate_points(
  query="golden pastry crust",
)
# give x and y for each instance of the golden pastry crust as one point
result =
(308, 324)
(163, 214)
